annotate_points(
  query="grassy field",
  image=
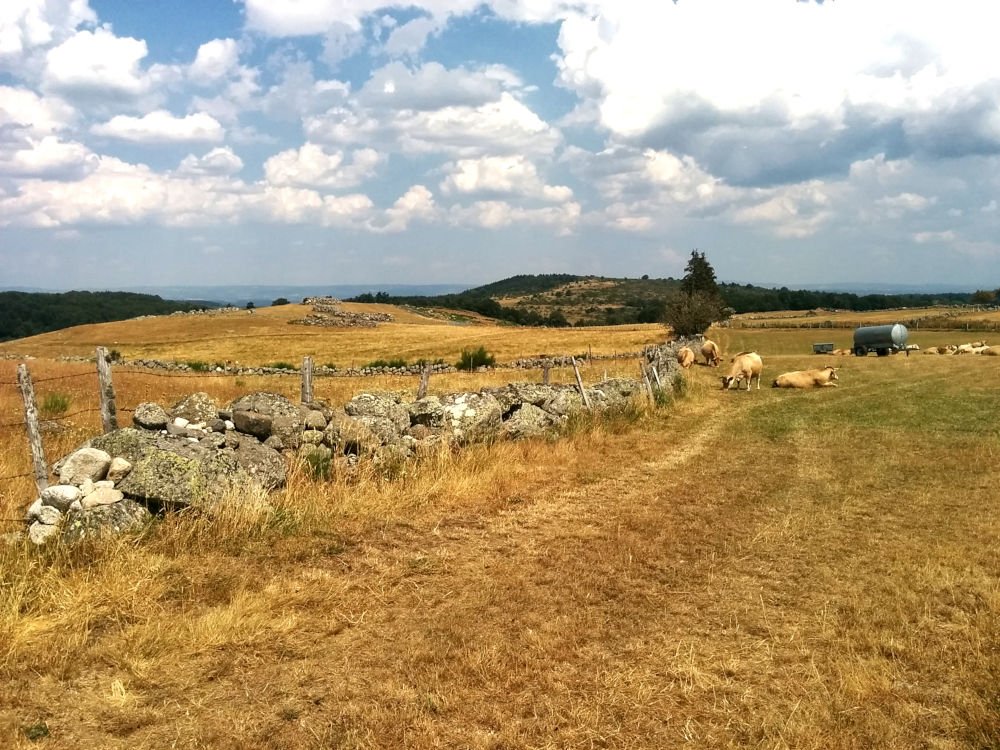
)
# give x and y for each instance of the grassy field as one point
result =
(769, 569)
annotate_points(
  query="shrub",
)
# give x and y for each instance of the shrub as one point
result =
(54, 405)
(472, 359)
(198, 366)
(114, 356)
(282, 366)
(394, 362)
(279, 301)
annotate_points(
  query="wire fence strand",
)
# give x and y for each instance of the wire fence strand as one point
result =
(63, 377)
(16, 476)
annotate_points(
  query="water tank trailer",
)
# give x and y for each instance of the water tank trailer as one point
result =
(882, 340)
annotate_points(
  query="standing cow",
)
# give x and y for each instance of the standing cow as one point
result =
(710, 351)
(746, 366)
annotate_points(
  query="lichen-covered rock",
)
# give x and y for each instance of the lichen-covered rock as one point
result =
(150, 416)
(118, 518)
(256, 413)
(315, 420)
(564, 402)
(288, 428)
(513, 395)
(345, 434)
(253, 423)
(385, 405)
(471, 417)
(617, 391)
(83, 464)
(528, 420)
(262, 402)
(198, 407)
(49, 516)
(60, 496)
(263, 464)
(427, 412)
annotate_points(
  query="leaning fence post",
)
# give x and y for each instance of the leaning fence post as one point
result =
(425, 378)
(31, 424)
(307, 380)
(109, 412)
(645, 378)
(546, 366)
(579, 383)
(656, 376)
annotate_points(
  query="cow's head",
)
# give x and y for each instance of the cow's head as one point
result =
(833, 372)
(728, 381)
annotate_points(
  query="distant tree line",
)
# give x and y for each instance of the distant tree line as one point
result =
(30, 313)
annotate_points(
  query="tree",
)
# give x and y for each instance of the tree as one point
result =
(983, 297)
(279, 301)
(698, 304)
(250, 305)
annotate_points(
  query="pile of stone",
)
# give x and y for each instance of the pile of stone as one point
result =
(326, 312)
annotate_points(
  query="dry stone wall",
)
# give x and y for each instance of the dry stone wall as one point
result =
(195, 453)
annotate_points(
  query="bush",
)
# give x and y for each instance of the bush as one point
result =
(472, 359)
(198, 366)
(282, 366)
(692, 314)
(394, 362)
(54, 405)
(279, 301)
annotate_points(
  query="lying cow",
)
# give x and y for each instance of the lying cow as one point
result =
(710, 351)
(746, 366)
(807, 378)
(685, 357)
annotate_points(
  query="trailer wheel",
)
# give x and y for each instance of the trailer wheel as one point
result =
(882, 352)
(860, 351)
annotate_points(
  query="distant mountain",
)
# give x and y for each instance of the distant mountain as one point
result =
(262, 295)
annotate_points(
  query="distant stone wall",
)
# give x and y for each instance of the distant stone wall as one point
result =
(327, 313)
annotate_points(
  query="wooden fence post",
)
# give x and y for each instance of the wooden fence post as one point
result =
(31, 424)
(546, 366)
(645, 378)
(425, 379)
(307, 380)
(109, 412)
(656, 377)
(579, 383)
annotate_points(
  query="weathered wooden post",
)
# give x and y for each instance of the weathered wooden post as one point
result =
(109, 412)
(656, 376)
(579, 384)
(31, 425)
(425, 379)
(307, 380)
(546, 367)
(645, 378)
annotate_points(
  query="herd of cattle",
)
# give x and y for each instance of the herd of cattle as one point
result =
(746, 366)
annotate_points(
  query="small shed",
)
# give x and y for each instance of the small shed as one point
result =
(823, 348)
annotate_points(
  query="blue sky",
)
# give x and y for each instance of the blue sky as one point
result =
(460, 141)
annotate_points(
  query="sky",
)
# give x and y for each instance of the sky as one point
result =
(197, 142)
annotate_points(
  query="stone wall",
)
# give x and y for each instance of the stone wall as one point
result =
(195, 452)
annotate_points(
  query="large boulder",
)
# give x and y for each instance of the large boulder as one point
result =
(175, 472)
(61, 496)
(262, 414)
(198, 407)
(86, 463)
(427, 412)
(150, 416)
(471, 417)
(528, 420)
(346, 435)
(513, 395)
(117, 518)
(385, 405)
(616, 391)
(263, 464)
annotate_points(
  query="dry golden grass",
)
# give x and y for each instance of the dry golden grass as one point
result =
(767, 569)
(266, 337)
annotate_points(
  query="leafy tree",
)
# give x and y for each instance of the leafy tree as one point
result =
(250, 305)
(698, 304)
(983, 297)
(279, 301)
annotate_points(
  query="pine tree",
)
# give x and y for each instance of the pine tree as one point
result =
(698, 304)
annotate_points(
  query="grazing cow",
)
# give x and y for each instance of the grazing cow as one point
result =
(685, 357)
(710, 351)
(932, 350)
(807, 378)
(746, 366)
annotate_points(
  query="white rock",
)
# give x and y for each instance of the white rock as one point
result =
(87, 487)
(40, 533)
(33, 509)
(119, 469)
(49, 516)
(102, 496)
(76, 505)
(86, 463)
(60, 496)
(230, 425)
(178, 427)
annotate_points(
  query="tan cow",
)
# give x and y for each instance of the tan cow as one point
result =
(710, 351)
(685, 357)
(807, 378)
(746, 366)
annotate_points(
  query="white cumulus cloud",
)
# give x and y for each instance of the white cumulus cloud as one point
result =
(160, 126)
(511, 175)
(311, 166)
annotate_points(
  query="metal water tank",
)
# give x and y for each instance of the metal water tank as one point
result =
(880, 339)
